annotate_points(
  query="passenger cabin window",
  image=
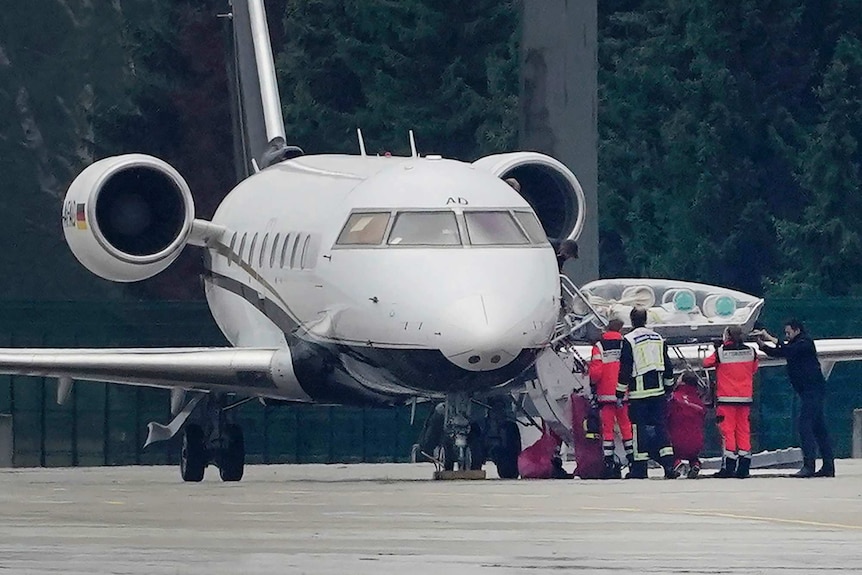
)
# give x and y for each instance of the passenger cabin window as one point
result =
(232, 246)
(293, 251)
(263, 249)
(493, 229)
(532, 226)
(284, 248)
(251, 250)
(425, 229)
(364, 229)
(242, 247)
(305, 259)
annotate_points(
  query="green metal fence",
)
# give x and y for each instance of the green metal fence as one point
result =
(106, 424)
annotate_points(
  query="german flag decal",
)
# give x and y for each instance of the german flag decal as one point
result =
(81, 216)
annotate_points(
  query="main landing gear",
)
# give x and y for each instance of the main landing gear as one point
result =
(217, 440)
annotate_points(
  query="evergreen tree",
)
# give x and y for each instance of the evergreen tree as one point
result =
(696, 131)
(823, 247)
(446, 70)
(57, 69)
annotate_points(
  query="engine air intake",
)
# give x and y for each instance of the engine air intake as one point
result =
(140, 211)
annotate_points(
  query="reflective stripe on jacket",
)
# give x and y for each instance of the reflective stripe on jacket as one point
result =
(605, 366)
(735, 366)
(645, 367)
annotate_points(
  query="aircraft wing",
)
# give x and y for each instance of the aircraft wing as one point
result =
(254, 371)
(830, 351)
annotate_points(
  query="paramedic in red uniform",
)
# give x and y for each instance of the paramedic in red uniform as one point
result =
(604, 375)
(735, 365)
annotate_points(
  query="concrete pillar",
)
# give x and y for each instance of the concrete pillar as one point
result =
(856, 450)
(559, 101)
(5, 440)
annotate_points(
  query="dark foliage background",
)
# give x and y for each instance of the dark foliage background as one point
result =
(728, 133)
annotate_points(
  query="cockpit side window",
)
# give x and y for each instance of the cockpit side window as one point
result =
(364, 229)
(496, 228)
(532, 226)
(425, 229)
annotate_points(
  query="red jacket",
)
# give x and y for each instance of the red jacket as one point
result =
(605, 366)
(735, 366)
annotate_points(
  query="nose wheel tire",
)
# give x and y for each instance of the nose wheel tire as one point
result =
(193, 456)
(506, 454)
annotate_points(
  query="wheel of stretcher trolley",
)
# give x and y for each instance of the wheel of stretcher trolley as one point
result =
(193, 456)
(716, 305)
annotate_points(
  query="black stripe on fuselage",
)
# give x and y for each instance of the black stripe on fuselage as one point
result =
(391, 373)
(324, 368)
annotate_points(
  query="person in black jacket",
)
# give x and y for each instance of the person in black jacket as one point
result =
(803, 370)
(646, 374)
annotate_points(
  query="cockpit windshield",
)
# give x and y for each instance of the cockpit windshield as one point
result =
(425, 229)
(484, 228)
(532, 226)
(496, 228)
(364, 229)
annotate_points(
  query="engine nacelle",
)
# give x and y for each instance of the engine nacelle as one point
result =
(126, 218)
(549, 186)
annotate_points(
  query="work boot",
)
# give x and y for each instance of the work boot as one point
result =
(611, 470)
(631, 461)
(638, 470)
(807, 469)
(670, 471)
(728, 469)
(558, 471)
(742, 467)
(693, 471)
(828, 469)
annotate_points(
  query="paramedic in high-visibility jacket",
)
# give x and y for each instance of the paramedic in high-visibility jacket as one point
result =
(735, 365)
(604, 375)
(647, 374)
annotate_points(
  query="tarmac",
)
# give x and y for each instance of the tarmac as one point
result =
(391, 518)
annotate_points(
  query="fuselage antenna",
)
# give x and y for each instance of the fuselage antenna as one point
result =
(361, 142)
(413, 151)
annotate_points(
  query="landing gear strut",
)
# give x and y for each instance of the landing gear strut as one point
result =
(461, 448)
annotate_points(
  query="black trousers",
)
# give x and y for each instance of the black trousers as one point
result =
(812, 425)
(649, 429)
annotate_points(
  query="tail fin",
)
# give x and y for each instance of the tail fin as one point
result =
(259, 138)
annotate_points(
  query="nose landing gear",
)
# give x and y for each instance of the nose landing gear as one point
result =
(459, 441)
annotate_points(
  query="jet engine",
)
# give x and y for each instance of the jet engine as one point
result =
(550, 187)
(126, 218)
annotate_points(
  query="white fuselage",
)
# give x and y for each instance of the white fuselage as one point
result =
(282, 275)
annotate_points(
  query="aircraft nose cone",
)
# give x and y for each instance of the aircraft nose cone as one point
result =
(481, 333)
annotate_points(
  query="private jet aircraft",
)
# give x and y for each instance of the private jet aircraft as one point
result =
(353, 279)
